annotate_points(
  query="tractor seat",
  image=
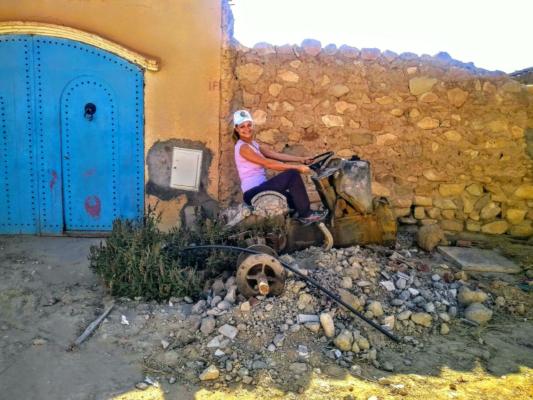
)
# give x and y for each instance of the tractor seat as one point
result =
(264, 204)
(269, 204)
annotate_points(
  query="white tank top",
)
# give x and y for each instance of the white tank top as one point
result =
(250, 174)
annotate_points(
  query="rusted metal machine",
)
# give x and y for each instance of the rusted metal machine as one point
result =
(355, 217)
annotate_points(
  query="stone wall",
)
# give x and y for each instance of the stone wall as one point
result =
(446, 141)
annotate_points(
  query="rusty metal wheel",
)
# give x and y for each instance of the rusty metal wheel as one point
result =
(260, 274)
(263, 248)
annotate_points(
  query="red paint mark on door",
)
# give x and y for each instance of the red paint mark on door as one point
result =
(53, 180)
(93, 206)
(89, 172)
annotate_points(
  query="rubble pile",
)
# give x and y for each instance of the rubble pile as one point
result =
(225, 338)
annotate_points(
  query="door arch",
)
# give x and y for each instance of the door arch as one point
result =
(65, 170)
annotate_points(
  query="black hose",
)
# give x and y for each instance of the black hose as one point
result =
(330, 294)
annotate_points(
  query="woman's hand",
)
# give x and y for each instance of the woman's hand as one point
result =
(304, 169)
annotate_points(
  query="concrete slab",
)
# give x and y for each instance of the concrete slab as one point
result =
(478, 260)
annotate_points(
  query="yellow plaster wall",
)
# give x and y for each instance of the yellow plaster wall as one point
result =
(182, 99)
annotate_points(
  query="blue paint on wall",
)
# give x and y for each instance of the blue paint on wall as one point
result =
(71, 136)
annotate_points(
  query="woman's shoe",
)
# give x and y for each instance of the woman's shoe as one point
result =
(315, 216)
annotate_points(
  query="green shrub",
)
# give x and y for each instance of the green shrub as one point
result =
(138, 259)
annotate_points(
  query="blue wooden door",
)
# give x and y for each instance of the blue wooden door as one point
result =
(85, 137)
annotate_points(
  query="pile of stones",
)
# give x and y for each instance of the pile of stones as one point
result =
(225, 338)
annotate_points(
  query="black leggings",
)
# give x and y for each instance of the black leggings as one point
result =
(288, 183)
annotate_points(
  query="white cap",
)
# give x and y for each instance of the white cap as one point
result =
(241, 116)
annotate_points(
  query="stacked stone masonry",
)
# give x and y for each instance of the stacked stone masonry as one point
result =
(446, 141)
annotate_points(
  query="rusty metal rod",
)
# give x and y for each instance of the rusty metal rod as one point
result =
(328, 292)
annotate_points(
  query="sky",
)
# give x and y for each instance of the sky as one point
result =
(493, 34)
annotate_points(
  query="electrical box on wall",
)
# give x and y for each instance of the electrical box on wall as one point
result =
(186, 169)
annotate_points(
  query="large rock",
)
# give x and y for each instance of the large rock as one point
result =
(327, 324)
(421, 85)
(351, 299)
(515, 216)
(495, 228)
(473, 226)
(375, 308)
(432, 175)
(475, 189)
(305, 300)
(512, 87)
(268, 136)
(451, 189)
(370, 54)
(424, 201)
(452, 225)
(387, 138)
(490, 211)
(342, 106)
(444, 204)
(404, 315)
(429, 236)
(453, 136)
(228, 331)
(428, 123)
(363, 343)
(524, 229)
(419, 213)
(332, 120)
(208, 325)
(422, 318)
(339, 90)
(428, 97)
(288, 76)
(467, 296)
(344, 340)
(361, 139)
(311, 47)
(250, 72)
(259, 117)
(275, 89)
(457, 97)
(524, 192)
(349, 51)
(478, 313)
(210, 373)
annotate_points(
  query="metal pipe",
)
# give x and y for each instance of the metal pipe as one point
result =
(262, 284)
(329, 293)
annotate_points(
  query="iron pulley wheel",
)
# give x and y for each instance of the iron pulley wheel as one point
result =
(260, 274)
(263, 248)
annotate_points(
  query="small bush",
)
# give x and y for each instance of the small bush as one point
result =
(138, 259)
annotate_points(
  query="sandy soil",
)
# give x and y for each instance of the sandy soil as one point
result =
(48, 295)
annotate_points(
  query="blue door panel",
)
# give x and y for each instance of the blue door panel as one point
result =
(18, 197)
(90, 177)
(60, 170)
(111, 144)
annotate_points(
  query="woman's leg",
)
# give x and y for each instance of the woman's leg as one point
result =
(288, 183)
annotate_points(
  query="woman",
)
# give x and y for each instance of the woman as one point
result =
(252, 159)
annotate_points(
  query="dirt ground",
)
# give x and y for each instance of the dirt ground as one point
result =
(48, 295)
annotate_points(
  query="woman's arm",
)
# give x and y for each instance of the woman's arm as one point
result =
(247, 153)
(269, 153)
